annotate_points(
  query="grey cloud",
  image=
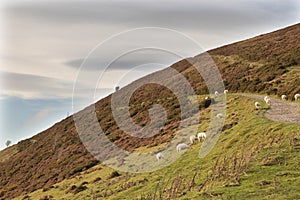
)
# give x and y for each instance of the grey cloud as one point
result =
(128, 61)
(184, 14)
(33, 86)
(30, 80)
(36, 85)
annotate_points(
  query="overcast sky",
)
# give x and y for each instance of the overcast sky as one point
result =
(43, 44)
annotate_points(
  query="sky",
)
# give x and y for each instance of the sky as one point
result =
(43, 44)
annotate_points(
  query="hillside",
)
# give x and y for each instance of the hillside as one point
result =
(267, 64)
(254, 158)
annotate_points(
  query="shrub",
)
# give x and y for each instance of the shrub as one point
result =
(114, 174)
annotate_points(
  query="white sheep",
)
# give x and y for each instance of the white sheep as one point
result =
(192, 139)
(159, 156)
(181, 147)
(297, 96)
(268, 101)
(217, 93)
(225, 91)
(266, 98)
(284, 97)
(257, 105)
(201, 135)
(220, 115)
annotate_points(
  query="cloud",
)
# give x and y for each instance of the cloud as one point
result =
(191, 14)
(33, 86)
(30, 87)
(127, 61)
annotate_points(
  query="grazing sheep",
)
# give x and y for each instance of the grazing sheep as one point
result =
(159, 156)
(297, 96)
(181, 147)
(225, 91)
(217, 93)
(192, 139)
(266, 98)
(201, 136)
(284, 97)
(220, 115)
(257, 105)
(268, 101)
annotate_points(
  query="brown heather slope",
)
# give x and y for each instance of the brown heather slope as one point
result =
(265, 64)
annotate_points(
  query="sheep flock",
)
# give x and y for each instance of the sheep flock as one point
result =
(202, 135)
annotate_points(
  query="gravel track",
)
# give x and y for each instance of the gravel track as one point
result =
(280, 111)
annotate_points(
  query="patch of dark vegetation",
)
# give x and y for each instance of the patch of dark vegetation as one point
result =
(46, 197)
(45, 189)
(97, 179)
(26, 197)
(76, 189)
(229, 126)
(263, 183)
(114, 174)
(128, 185)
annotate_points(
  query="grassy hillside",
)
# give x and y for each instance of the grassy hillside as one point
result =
(253, 159)
(264, 64)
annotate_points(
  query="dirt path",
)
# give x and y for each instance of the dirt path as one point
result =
(280, 111)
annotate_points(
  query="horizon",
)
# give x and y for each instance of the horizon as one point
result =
(35, 98)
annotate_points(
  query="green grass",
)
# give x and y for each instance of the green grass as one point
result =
(254, 159)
